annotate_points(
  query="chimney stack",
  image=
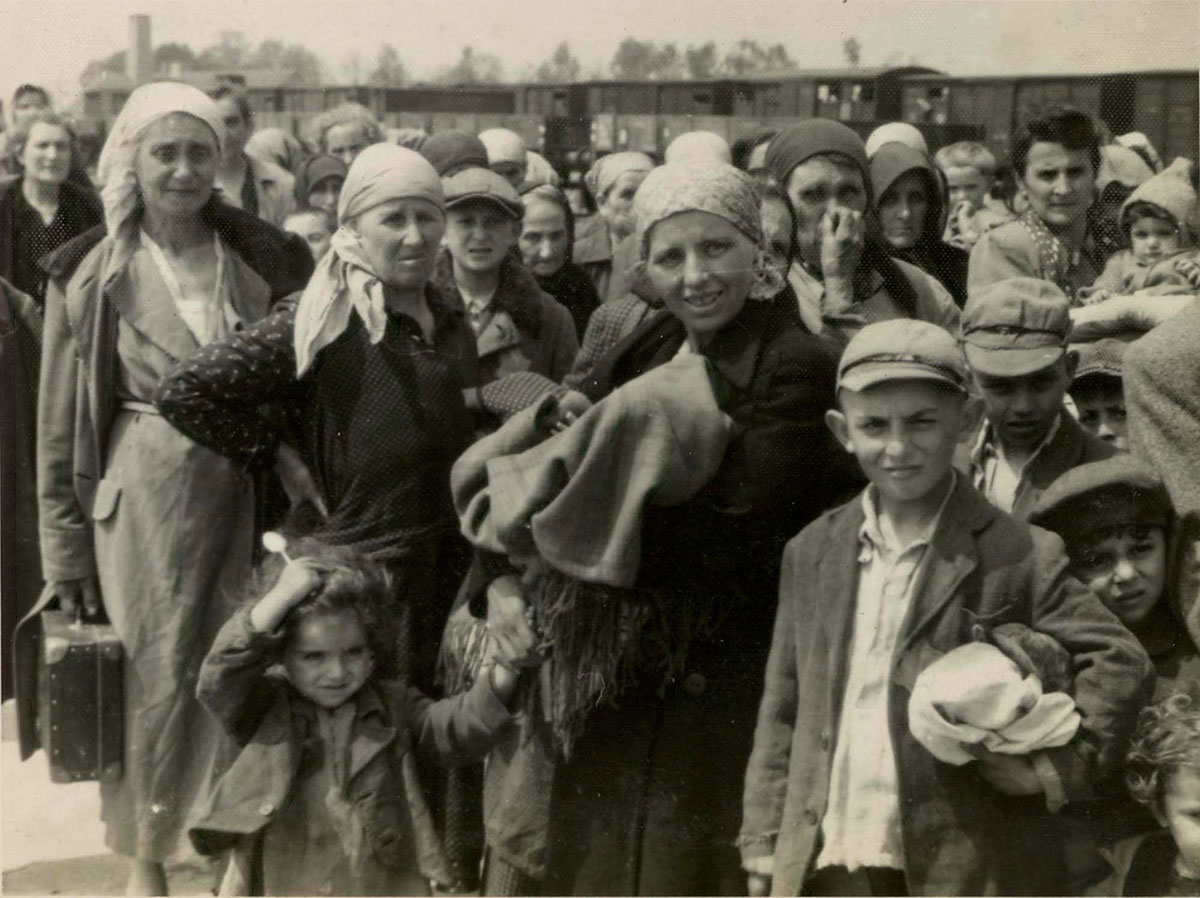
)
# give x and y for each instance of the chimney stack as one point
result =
(139, 58)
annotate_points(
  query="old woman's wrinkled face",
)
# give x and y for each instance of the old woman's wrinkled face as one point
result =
(400, 239)
(703, 268)
(176, 164)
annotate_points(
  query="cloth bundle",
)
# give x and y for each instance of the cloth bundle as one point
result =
(1010, 701)
(568, 510)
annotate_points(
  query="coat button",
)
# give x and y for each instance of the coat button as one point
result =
(266, 808)
(695, 684)
(810, 816)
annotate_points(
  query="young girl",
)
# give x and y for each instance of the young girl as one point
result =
(323, 797)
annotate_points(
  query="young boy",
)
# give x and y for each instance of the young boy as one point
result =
(840, 798)
(1098, 391)
(1014, 333)
(970, 172)
(1116, 520)
(315, 226)
(323, 796)
(1155, 220)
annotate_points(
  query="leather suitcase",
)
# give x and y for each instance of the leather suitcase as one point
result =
(80, 699)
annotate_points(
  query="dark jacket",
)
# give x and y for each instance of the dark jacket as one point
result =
(274, 725)
(1071, 447)
(930, 253)
(529, 330)
(79, 207)
(960, 837)
(575, 291)
(638, 803)
(609, 265)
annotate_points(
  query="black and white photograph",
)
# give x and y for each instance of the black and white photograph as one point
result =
(653, 447)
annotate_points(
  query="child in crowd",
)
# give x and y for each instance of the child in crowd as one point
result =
(316, 226)
(1116, 520)
(323, 796)
(970, 171)
(1163, 774)
(1015, 334)
(840, 797)
(1156, 221)
(1099, 392)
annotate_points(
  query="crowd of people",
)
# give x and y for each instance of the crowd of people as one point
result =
(816, 516)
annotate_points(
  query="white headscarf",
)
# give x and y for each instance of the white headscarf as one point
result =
(698, 146)
(145, 106)
(344, 279)
(503, 145)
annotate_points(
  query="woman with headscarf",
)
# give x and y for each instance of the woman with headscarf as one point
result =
(547, 237)
(1055, 161)
(319, 181)
(612, 181)
(370, 367)
(627, 777)
(908, 203)
(134, 516)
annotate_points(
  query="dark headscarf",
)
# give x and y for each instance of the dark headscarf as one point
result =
(946, 263)
(823, 137)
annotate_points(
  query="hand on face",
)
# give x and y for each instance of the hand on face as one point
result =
(841, 243)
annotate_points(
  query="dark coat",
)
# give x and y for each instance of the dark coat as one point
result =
(649, 801)
(272, 725)
(575, 291)
(80, 204)
(1071, 447)
(529, 329)
(960, 836)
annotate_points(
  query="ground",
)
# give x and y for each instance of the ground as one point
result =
(51, 838)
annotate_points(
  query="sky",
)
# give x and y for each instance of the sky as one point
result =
(50, 41)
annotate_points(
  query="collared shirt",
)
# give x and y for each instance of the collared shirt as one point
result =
(861, 826)
(479, 309)
(997, 476)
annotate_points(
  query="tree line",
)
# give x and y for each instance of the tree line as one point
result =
(634, 60)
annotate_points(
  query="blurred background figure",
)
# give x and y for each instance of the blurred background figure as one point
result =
(318, 185)
(546, 241)
(345, 131)
(698, 146)
(450, 151)
(261, 188)
(896, 132)
(315, 227)
(506, 154)
(278, 147)
(612, 182)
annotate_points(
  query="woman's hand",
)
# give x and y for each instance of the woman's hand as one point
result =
(298, 580)
(841, 243)
(515, 643)
(297, 480)
(74, 595)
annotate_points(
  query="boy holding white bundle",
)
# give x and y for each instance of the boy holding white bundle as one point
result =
(873, 593)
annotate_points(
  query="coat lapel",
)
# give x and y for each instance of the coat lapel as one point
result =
(836, 589)
(953, 557)
(142, 299)
(498, 334)
(372, 733)
(1057, 457)
(249, 294)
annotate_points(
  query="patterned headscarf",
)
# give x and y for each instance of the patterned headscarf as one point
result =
(145, 106)
(604, 172)
(344, 279)
(712, 187)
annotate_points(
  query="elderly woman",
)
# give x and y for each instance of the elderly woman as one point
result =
(908, 203)
(612, 182)
(656, 682)
(134, 515)
(1055, 158)
(372, 366)
(547, 235)
(844, 276)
